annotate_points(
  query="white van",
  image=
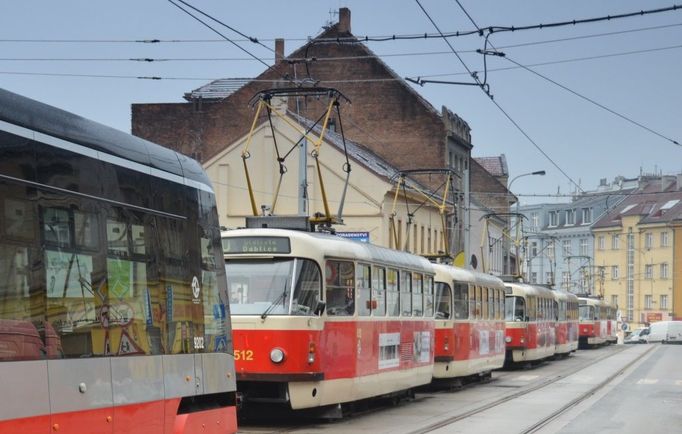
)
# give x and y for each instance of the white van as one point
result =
(666, 332)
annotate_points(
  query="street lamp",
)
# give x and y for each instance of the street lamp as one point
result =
(508, 264)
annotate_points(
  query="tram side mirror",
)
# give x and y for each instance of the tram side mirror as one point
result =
(319, 307)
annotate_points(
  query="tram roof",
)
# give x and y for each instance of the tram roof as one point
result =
(33, 115)
(338, 247)
(468, 276)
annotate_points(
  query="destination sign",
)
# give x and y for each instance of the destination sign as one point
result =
(256, 245)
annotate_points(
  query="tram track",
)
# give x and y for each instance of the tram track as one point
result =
(586, 395)
(515, 395)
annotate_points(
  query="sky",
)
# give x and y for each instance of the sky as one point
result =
(631, 66)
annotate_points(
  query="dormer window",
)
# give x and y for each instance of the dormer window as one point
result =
(553, 218)
(570, 217)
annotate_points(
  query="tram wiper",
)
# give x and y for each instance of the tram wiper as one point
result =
(282, 297)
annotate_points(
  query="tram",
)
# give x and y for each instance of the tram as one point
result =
(597, 322)
(566, 308)
(530, 323)
(114, 315)
(469, 323)
(319, 320)
(612, 324)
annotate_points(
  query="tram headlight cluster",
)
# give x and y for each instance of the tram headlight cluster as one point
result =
(508, 339)
(277, 355)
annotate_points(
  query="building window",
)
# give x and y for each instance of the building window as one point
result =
(553, 218)
(614, 272)
(664, 302)
(549, 279)
(566, 279)
(566, 247)
(615, 242)
(648, 240)
(614, 300)
(664, 270)
(533, 249)
(570, 217)
(648, 301)
(550, 249)
(587, 216)
(648, 271)
(601, 242)
(664, 239)
(584, 246)
(533, 277)
(534, 222)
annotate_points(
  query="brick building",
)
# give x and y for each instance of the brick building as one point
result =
(386, 114)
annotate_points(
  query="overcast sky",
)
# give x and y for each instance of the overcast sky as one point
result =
(635, 73)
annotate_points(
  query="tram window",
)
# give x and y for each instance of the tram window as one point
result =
(428, 296)
(307, 287)
(56, 227)
(460, 293)
(479, 302)
(86, 230)
(117, 238)
(491, 303)
(443, 301)
(379, 291)
(484, 302)
(363, 280)
(19, 219)
(472, 301)
(340, 294)
(392, 292)
(417, 290)
(515, 308)
(405, 293)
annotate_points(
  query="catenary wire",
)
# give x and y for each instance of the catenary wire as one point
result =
(590, 100)
(518, 127)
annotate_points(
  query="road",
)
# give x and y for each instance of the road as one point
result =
(624, 389)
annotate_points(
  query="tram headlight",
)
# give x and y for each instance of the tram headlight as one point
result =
(311, 352)
(277, 355)
(508, 339)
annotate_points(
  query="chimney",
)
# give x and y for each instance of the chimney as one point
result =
(344, 20)
(679, 182)
(667, 181)
(279, 50)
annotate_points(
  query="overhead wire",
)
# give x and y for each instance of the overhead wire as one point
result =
(518, 127)
(192, 41)
(590, 100)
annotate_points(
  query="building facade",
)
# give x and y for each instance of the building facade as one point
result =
(637, 252)
(387, 115)
(557, 247)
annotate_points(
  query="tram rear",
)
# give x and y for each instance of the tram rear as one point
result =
(114, 314)
(593, 322)
(469, 323)
(530, 323)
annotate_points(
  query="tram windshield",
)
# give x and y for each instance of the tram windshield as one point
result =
(515, 308)
(586, 312)
(264, 286)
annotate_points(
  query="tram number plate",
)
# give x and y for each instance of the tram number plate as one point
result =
(199, 342)
(243, 355)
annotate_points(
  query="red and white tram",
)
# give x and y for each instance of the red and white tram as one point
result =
(320, 320)
(114, 315)
(612, 324)
(469, 323)
(566, 307)
(530, 327)
(597, 322)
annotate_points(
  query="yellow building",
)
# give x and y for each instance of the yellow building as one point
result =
(638, 249)
(369, 200)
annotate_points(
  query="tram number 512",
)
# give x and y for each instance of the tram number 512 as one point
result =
(243, 355)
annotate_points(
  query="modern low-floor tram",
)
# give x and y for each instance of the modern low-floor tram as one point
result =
(319, 320)
(114, 315)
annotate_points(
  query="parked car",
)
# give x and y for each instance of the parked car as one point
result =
(638, 336)
(665, 332)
